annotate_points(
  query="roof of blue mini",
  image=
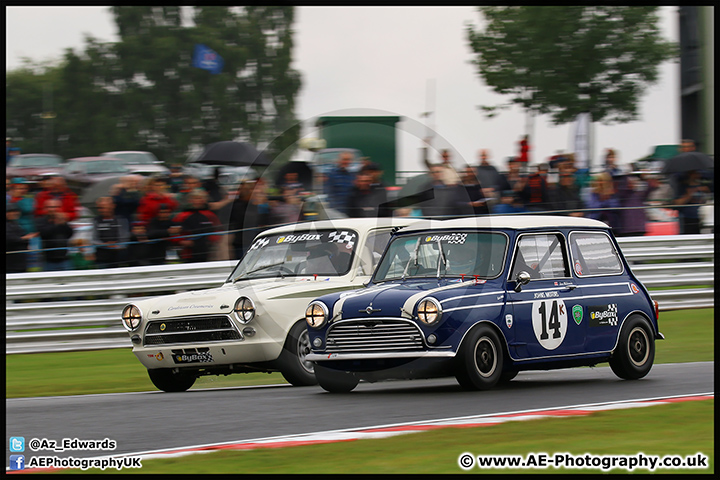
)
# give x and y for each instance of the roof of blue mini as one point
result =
(515, 222)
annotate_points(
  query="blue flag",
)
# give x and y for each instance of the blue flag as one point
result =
(207, 59)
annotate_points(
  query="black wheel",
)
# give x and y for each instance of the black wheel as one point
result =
(294, 366)
(635, 352)
(480, 360)
(335, 381)
(168, 381)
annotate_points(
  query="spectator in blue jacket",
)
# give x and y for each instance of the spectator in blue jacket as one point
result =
(339, 183)
(509, 204)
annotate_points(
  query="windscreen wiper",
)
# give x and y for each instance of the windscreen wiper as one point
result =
(258, 269)
(413, 259)
(442, 257)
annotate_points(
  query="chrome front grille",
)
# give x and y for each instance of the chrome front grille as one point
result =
(376, 335)
(203, 329)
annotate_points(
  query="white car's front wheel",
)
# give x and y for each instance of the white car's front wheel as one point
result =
(168, 381)
(294, 366)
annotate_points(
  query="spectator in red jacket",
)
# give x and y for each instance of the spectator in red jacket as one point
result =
(524, 157)
(155, 196)
(536, 193)
(198, 221)
(58, 190)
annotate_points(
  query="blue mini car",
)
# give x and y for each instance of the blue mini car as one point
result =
(483, 298)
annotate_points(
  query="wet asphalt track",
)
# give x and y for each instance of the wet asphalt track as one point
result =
(147, 421)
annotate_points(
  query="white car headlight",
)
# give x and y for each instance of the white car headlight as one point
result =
(316, 314)
(244, 310)
(429, 311)
(131, 317)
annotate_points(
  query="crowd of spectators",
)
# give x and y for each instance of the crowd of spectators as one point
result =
(618, 197)
(145, 221)
(139, 221)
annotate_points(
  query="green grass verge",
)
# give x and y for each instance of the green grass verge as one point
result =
(689, 338)
(619, 432)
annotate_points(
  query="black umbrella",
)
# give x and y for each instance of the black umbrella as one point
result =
(688, 161)
(234, 154)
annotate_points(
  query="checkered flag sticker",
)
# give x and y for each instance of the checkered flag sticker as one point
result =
(613, 320)
(261, 242)
(343, 237)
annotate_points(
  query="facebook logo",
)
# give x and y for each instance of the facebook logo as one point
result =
(17, 462)
(17, 444)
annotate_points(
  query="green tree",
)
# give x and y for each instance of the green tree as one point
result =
(29, 91)
(172, 106)
(563, 61)
(143, 93)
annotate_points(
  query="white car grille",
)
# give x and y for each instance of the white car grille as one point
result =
(203, 329)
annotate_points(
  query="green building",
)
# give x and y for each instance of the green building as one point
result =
(374, 136)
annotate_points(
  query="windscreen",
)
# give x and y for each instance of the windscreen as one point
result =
(317, 252)
(433, 254)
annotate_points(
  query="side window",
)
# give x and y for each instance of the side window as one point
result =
(542, 256)
(594, 254)
(372, 252)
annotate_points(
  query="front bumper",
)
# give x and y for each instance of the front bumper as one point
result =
(207, 355)
(204, 341)
(324, 357)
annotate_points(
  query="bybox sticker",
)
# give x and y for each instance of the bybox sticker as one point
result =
(603, 315)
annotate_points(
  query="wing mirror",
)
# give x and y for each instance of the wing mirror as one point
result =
(522, 278)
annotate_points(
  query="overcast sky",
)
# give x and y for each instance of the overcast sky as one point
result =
(393, 61)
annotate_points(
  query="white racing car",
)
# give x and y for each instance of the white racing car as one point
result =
(255, 321)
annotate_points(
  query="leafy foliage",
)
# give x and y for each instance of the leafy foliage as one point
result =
(567, 60)
(142, 93)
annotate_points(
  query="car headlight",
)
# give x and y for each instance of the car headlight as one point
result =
(131, 317)
(244, 310)
(316, 314)
(429, 311)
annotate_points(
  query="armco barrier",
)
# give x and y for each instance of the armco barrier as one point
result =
(80, 310)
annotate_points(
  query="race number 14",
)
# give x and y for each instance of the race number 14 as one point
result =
(549, 319)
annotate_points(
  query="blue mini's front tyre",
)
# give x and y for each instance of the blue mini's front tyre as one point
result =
(335, 381)
(633, 358)
(479, 360)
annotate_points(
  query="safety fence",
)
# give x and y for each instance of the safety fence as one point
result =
(80, 309)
